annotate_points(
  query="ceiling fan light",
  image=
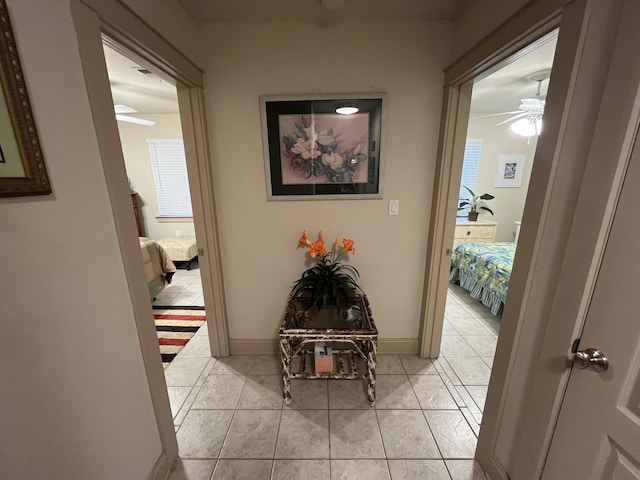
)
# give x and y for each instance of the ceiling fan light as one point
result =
(140, 121)
(347, 110)
(526, 128)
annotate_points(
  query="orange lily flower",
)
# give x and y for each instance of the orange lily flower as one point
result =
(320, 235)
(317, 248)
(348, 245)
(304, 241)
(335, 245)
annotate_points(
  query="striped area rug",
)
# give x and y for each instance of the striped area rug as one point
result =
(175, 327)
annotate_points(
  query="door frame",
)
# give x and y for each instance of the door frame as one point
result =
(134, 37)
(579, 71)
(516, 37)
(151, 50)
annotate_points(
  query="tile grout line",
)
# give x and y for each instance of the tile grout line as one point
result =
(425, 419)
(235, 410)
(384, 448)
(329, 430)
(480, 408)
(275, 446)
(475, 428)
(432, 435)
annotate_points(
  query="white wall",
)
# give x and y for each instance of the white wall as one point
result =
(136, 157)
(478, 19)
(75, 398)
(258, 237)
(509, 202)
(172, 22)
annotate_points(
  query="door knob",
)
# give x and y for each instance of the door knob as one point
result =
(591, 357)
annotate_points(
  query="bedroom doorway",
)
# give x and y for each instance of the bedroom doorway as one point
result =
(504, 123)
(147, 114)
(131, 35)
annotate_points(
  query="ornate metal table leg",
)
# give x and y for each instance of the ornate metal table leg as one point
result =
(371, 374)
(285, 355)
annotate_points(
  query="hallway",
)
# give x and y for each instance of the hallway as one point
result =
(231, 422)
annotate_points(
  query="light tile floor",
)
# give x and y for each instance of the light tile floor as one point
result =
(231, 422)
(185, 289)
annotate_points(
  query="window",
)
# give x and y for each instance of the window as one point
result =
(170, 176)
(472, 151)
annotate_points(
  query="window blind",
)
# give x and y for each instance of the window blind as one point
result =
(470, 167)
(170, 176)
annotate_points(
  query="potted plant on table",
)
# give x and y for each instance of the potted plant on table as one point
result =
(474, 202)
(328, 282)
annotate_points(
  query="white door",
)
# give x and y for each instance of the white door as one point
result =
(598, 431)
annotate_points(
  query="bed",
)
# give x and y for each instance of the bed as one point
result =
(484, 270)
(158, 267)
(180, 249)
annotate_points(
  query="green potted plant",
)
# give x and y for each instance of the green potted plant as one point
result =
(328, 282)
(474, 202)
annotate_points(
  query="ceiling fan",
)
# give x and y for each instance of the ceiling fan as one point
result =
(121, 109)
(527, 120)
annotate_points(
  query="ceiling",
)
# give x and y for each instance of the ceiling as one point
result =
(148, 94)
(311, 10)
(502, 90)
(498, 92)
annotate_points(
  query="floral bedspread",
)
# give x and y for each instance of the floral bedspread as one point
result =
(484, 270)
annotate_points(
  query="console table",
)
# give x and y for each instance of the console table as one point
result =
(354, 344)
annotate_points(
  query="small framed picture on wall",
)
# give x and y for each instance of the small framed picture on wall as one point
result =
(510, 170)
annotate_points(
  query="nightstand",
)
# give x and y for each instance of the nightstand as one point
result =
(474, 232)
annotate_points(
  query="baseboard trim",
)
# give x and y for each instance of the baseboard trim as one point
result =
(161, 469)
(404, 346)
(256, 346)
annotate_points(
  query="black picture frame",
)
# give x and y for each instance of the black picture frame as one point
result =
(312, 152)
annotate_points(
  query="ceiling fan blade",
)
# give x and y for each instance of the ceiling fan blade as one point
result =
(140, 121)
(496, 114)
(124, 109)
(515, 117)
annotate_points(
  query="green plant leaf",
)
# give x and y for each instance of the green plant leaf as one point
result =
(487, 209)
(470, 191)
(328, 282)
(487, 196)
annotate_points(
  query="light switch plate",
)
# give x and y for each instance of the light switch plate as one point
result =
(394, 207)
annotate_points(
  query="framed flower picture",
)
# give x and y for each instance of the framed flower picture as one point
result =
(22, 167)
(323, 148)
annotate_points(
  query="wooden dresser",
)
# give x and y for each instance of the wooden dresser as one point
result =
(474, 232)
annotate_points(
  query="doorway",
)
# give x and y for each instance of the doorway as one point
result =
(504, 123)
(582, 58)
(129, 34)
(147, 111)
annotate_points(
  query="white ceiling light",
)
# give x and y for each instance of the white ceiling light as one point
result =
(527, 127)
(120, 109)
(347, 110)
